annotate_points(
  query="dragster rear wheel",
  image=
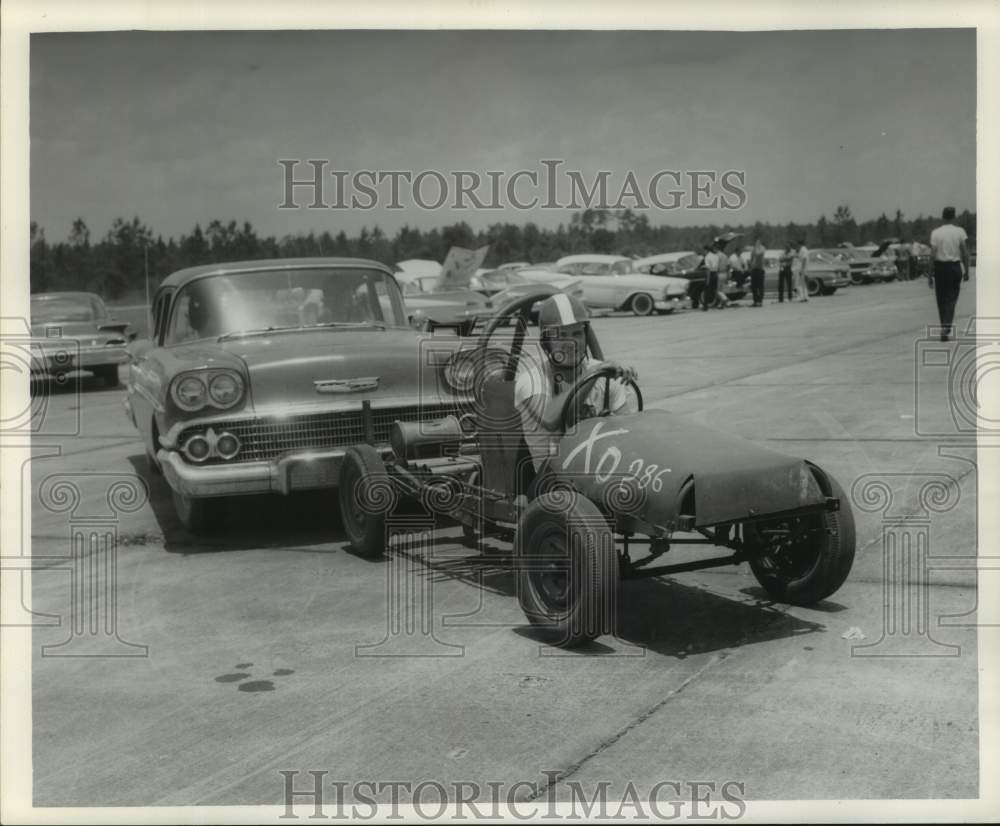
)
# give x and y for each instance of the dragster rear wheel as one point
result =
(804, 559)
(567, 568)
(367, 496)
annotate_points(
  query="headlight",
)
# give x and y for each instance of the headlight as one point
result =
(460, 371)
(225, 389)
(207, 388)
(190, 393)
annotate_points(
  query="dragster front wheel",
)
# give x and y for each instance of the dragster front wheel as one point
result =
(804, 559)
(567, 568)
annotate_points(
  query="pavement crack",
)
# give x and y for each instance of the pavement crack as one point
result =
(604, 745)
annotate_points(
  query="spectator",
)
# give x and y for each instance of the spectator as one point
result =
(951, 267)
(737, 269)
(800, 265)
(785, 274)
(902, 261)
(915, 253)
(721, 299)
(711, 289)
(756, 266)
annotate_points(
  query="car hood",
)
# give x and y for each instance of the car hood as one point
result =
(283, 368)
(730, 479)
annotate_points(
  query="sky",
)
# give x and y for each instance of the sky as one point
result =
(186, 127)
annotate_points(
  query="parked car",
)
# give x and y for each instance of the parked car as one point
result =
(865, 265)
(691, 267)
(518, 286)
(898, 253)
(824, 276)
(429, 307)
(490, 282)
(606, 503)
(609, 282)
(239, 392)
(81, 320)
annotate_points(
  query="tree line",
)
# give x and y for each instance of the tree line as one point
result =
(116, 265)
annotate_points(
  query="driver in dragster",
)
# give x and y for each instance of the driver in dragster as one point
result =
(543, 381)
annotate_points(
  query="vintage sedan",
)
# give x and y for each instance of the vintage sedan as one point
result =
(491, 282)
(430, 307)
(609, 282)
(691, 267)
(824, 275)
(74, 331)
(865, 264)
(247, 387)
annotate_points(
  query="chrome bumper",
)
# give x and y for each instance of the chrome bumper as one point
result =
(671, 303)
(83, 358)
(310, 470)
(99, 356)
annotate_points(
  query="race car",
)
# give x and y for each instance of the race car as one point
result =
(613, 485)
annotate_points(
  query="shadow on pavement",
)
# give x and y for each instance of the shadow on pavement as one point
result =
(660, 614)
(299, 522)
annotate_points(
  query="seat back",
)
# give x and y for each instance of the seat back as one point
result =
(501, 437)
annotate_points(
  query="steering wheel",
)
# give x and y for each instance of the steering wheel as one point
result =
(606, 370)
(519, 307)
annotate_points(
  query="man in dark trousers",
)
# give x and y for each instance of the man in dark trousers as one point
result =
(711, 289)
(757, 272)
(951, 267)
(785, 274)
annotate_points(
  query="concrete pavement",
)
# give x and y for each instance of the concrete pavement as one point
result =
(253, 663)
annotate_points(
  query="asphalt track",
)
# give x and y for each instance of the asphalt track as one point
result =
(270, 647)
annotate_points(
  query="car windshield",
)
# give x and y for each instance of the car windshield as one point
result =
(76, 308)
(222, 305)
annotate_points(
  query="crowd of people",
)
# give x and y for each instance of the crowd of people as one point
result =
(949, 256)
(749, 262)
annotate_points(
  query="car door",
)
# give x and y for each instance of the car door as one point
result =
(598, 287)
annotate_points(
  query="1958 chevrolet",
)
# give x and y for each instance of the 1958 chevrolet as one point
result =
(260, 374)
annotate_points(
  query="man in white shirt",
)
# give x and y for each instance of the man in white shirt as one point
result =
(721, 299)
(951, 267)
(543, 381)
(800, 265)
(915, 252)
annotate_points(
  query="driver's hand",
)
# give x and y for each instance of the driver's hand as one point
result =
(626, 374)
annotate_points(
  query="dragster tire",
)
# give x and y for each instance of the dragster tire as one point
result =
(826, 558)
(563, 537)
